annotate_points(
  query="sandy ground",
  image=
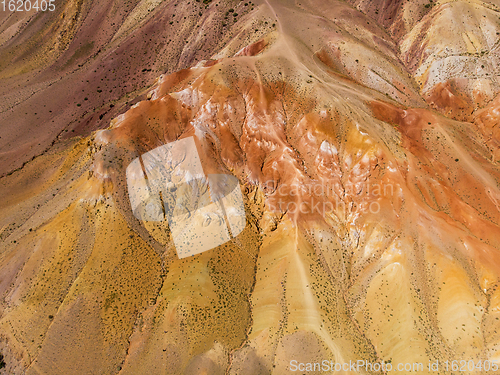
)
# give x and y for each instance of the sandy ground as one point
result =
(387, 109)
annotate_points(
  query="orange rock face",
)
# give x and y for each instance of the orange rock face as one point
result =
(367, 150)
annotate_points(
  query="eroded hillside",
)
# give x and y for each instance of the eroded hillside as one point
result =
(365, 140)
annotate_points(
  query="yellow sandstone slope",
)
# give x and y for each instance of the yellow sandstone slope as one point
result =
(372, 213)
